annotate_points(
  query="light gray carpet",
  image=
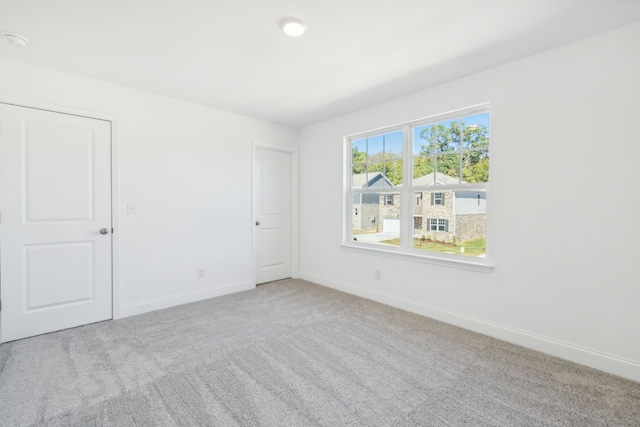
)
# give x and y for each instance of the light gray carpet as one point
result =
(291, 353)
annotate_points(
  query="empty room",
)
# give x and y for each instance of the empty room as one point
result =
(305, 213)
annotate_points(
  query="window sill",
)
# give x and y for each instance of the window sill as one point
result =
(445, 261)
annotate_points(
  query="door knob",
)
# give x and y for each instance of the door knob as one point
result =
(257, 222)
(104, 231)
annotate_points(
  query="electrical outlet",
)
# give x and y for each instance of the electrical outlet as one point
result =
(378, 274)
(200, 273)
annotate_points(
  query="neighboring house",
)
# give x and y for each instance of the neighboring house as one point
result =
(365, 208)
(440, 215)
(390, 212)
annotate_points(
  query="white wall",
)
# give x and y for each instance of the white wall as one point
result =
(563, 228)
(187, 167)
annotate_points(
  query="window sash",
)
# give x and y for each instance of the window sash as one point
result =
(407, 202)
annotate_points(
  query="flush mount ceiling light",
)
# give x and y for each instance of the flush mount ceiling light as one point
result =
(293, 27)
(15, 39)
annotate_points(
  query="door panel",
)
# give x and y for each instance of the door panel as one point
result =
(68, 263)
(53, 193)
(55, 196)
(272, 192)
(272, 253)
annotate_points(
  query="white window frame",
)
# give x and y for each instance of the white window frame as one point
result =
(405, 250)
(438, 198)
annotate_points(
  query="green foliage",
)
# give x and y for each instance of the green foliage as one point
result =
(392, 169)
(358, 160)
(477, 172)
(454, 150)
(422, 166)
(441, 139)
(390, 164)
(451, 148)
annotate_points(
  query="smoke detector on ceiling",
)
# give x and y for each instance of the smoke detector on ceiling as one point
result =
(16, 39)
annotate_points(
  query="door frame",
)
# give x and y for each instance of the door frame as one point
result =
(295, 219)
(115, 181)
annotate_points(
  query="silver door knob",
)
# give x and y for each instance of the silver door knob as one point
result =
(257, 222)
(104, 231)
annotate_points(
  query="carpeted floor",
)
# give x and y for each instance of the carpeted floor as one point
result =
(292, 353)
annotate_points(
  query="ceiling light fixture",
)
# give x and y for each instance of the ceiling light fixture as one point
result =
(15, 39)
(293, 27)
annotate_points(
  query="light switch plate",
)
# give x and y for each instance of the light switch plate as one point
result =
(132, 209)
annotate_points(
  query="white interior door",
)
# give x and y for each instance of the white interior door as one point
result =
(55, 203)
(272, 201)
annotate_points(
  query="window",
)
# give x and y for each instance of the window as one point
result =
(417, 223)
(438, 224)
(376, 166)
(444, 158)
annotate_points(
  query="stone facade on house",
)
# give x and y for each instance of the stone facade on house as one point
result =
(470, 226)
(441, 215)
(389, 208)
(437, 206)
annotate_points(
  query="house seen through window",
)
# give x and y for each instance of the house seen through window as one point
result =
(443, 161)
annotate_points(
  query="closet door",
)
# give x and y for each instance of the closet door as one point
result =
(55, 224)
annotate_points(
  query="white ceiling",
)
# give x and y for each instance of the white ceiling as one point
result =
(231, 54)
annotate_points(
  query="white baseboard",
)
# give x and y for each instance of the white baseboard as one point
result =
(605, 362)
(184, 298)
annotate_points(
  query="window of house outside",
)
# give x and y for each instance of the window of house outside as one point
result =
(438, 224)
(447, 159)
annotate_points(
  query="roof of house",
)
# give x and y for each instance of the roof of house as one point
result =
(440, 178)
(374, 180)
(430, 179)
